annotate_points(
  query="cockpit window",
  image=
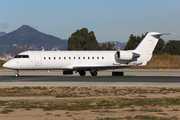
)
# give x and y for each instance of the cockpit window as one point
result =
(21, 56)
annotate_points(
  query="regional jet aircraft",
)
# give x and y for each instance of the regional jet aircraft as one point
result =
(82, 61)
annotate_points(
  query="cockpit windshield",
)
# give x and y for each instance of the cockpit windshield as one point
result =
(21, 56)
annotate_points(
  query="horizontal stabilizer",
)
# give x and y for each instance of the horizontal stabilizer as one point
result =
(157, 35)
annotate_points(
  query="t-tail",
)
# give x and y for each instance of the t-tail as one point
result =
(147, 46)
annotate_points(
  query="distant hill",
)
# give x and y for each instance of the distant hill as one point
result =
(119, 45)
(33, 39)
(2, 33)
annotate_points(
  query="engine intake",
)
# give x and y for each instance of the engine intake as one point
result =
(126, 55)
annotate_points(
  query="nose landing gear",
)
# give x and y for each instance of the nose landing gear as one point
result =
(16, 73)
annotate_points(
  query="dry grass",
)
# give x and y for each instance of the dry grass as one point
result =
(113, 103)
(164, 61)
(90, 91)
(94, 109)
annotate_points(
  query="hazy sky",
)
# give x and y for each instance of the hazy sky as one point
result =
(111, 20)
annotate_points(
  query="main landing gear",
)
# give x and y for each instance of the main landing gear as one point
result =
(83, 73)
(94, 73)
(16, 73)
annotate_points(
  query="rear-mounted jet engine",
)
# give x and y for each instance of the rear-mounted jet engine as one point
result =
(126, 55)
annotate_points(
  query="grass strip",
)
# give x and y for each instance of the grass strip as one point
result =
(90, 104)
(92, 91)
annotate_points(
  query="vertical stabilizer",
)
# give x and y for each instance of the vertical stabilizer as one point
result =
(149, 42)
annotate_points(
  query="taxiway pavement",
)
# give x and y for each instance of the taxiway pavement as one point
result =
(55, 78)
(127, 72)
(89, 80)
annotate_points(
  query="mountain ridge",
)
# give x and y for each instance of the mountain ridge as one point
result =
(27, 35)
(31, 38)
(2, 33)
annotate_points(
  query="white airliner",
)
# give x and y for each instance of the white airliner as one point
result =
(81, 61)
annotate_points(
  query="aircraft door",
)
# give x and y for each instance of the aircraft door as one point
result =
(37, 58)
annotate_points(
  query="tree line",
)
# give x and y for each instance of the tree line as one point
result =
(85, 40)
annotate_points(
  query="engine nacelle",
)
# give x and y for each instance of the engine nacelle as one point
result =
(126, 55)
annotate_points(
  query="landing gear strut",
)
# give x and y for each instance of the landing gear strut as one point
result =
(94, 73)
(16, 73)
(82, 73)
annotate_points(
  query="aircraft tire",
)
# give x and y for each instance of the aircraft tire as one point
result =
(82, 73)
(94, 73)
(16, 75)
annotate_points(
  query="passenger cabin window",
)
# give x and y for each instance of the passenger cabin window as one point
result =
(54, 58)
(69, 57)
(21, 56)
(88, 57)
(97, 57)
(49, 58)
(83, 57)
(59, 57)
(78, 57)
(92, 57)
(64, 57)
(102, 57)
(74, 57)
(44, 58)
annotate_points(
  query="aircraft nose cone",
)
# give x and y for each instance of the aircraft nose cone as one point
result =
(10, 65)
(5, 65)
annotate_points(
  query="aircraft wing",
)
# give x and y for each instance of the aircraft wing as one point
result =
(101, 67)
